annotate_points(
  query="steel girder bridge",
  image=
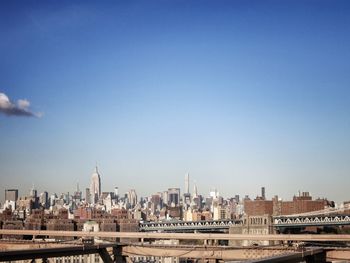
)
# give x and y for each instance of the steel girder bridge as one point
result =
(189, 226)
(312, 220)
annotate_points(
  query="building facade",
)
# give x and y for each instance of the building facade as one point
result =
(95, 187)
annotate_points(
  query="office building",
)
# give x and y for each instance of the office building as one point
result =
(11, 195)
(174, 196)
(187, 183)
(95, 187)
(132, 197)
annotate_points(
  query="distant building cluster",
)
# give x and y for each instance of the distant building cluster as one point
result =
(114, 212)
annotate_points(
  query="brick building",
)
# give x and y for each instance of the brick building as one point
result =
(88, 213)
(300, 204)
(60, 225)
(13, 225)
(36, 220)
(108, 225)
(6, 215)
(83, 213)
(258, 207)
(119, 213)
(128, 225)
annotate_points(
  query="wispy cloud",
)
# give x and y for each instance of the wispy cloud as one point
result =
(21, 108)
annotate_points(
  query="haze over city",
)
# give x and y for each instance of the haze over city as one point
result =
(239, 94)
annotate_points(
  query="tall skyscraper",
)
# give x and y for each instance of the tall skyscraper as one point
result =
(87, 195)
(187, 195)
(174, 196)
(78, 195)
(187, 183)
(195, 190)
(263, 193)
(165, 197)
(11, 195)
(44, 200)
(116, 194)
(33, 192)
(52, 199)
(132, 196)
(95, 187)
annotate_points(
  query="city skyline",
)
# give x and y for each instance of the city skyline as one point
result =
(240, 94)
(181, 190)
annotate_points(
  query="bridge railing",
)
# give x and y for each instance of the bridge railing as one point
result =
(181, 236)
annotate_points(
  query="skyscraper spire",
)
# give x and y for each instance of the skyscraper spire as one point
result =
(195, 190)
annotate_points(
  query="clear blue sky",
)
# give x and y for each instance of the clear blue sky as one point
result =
(240, 94)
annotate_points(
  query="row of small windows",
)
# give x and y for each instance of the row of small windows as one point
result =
(78, 259)
(255, 231)
(256, 221)
(151, 259)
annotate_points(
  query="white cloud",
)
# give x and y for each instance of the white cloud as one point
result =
(23, 104)
(4, 101)
(21, 109)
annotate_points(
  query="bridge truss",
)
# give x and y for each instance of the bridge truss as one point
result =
(317, 220)
(189, 226)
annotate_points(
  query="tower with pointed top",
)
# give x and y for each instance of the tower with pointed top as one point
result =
(195, 190)
(95, 187)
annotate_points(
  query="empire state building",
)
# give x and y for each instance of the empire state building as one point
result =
(95, 187)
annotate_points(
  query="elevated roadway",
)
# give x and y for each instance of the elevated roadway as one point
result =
(112, 252)
(130, 253)
(60, 251)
